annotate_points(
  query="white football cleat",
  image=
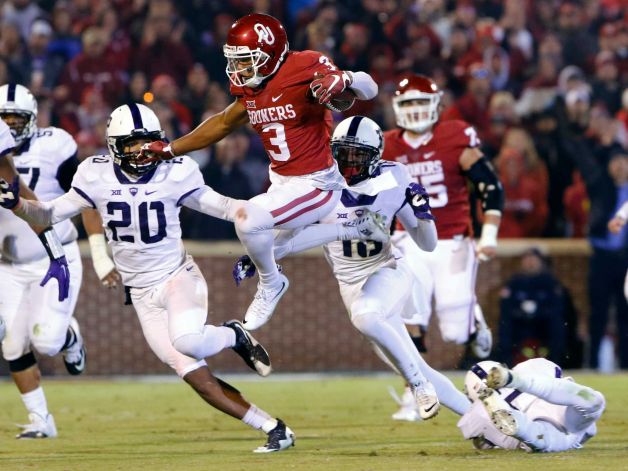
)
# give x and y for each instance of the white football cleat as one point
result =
(279, 438)
(38, 427)
(264, 303)
(499, 411)
(499, 376)
(371, 226)
(426, 400)
(482, 340)
(408, 410)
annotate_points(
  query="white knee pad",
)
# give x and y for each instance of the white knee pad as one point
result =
(367, 306)
(47, 346)
(455, 323)
(187, 322)
(13, 348)
(457, 334)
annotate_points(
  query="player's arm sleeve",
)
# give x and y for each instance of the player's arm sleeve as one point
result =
(422, 231)
(196, 195)
(363, 85)
(207, 201)
(52, 212)
(487, 186)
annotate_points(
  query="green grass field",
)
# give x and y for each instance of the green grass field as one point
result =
(340, 423)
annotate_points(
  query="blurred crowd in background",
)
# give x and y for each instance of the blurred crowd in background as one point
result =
(529, 75)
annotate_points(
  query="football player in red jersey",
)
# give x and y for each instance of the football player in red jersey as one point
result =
(286, 96)
(443, 156)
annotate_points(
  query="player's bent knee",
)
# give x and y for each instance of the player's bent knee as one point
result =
(455, 335)
(366, 323)
(251, 218)
(367, 306)
(45, 347)
(185, 366)
(187, 344)
(23, 363)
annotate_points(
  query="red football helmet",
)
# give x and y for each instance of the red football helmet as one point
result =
(256, 46)
(416, 103)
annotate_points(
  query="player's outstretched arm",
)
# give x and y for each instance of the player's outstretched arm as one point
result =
(102, 263)
(210, 131)
(36, 212)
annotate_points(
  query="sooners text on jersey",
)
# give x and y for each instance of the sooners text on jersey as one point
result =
(294, 128)
(436, 166)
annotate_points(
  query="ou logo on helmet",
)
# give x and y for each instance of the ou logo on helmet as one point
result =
(264, 33)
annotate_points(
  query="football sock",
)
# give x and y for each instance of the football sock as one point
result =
(398, 351)
(559, 391)
(447, 393)
(70, 339)
(254, 228)
(257, 418)
(35, 401)
(208, 342)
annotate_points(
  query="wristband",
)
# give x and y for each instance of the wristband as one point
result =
(103, 265)
(169, 149)
(489, 235)
(51, 243)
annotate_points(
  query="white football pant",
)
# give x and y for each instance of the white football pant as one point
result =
(171, 310)
(290, 203)
(33, 314)
(448, 275)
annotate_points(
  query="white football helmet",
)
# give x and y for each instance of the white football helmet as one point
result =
(415, 103)
(129, 123)
(357, 145)
(18, 100)
(474, 379)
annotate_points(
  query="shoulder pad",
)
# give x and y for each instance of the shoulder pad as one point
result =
(180, 167)
(92, 168)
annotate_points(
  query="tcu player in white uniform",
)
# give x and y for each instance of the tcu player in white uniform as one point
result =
(140, 203)
(375, 280)
(34, 316)
(531, 407)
